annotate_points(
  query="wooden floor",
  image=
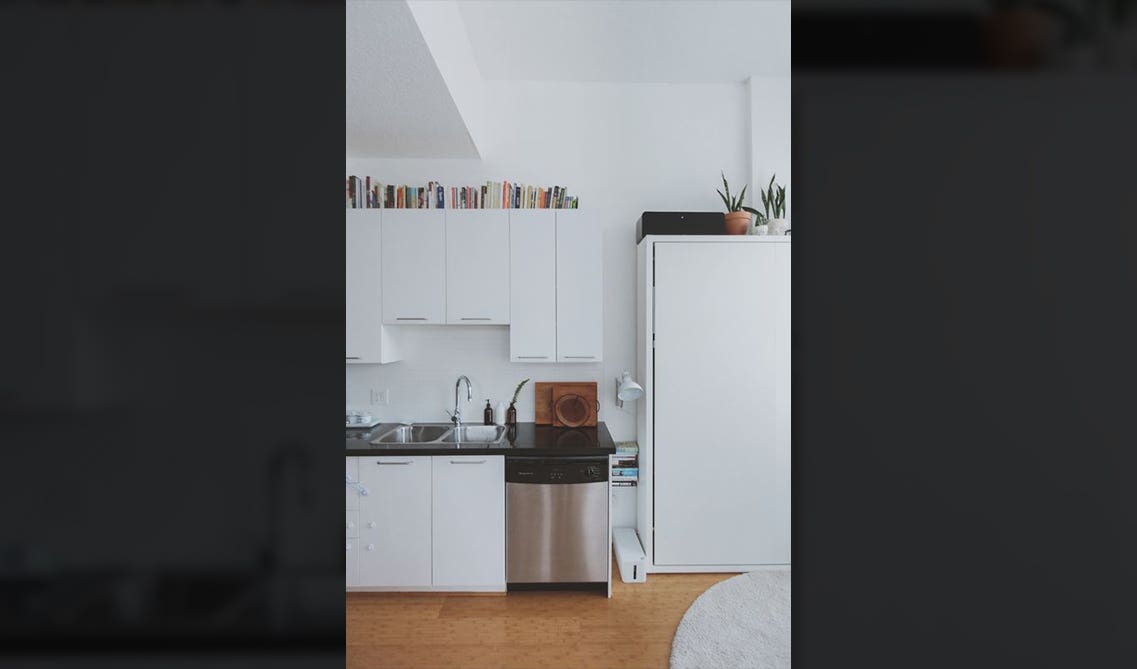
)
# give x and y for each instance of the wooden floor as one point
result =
(523, 629)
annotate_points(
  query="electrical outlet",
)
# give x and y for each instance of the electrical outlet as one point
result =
(380, 397)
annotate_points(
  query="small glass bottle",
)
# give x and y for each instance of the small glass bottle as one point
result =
(487, 415)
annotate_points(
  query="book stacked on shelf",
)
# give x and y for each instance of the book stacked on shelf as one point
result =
(625, 467)
(369, 193)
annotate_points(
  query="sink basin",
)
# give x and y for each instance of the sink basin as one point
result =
(413, 434)
(475, 434)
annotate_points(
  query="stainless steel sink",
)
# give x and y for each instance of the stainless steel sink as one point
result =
(415, 433)
(440, 433)
(475, 434)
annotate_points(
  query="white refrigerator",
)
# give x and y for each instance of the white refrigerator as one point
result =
(713, 330)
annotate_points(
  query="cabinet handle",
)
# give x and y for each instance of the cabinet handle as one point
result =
(464, 318)
(371, 525)
(353, 357)
(359, 487)
(401, 318)
(370, 547)
(580, 357)
(408, 462)
(467, 462)
(532, 357)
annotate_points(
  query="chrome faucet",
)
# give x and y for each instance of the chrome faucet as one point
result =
(456, 417)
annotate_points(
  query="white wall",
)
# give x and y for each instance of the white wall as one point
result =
(623, 148)
(769, 135)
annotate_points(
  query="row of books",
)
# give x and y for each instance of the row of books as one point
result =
(625, 466)
(368, 193)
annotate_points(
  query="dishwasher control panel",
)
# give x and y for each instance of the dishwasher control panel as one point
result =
(556, 470)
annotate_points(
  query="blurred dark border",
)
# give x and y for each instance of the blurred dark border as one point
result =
(963, 335)
(172, 271)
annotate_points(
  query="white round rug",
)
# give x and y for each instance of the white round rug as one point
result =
(740, 623)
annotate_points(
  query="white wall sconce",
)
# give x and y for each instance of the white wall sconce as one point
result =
(627, 390)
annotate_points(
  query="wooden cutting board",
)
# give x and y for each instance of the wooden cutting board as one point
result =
(543, 402)
(586, 390)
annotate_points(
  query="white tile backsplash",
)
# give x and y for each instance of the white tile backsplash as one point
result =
(421, 386)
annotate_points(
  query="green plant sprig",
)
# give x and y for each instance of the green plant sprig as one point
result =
(733, 203)
(773, 201)
(517, 392)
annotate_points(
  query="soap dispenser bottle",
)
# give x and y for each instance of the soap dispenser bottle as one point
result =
(488, 414)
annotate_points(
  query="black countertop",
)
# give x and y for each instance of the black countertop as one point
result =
(524, 439)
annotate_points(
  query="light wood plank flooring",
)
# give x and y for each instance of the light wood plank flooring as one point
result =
(531, 630)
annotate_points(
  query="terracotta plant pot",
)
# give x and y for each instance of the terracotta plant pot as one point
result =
(737, 222)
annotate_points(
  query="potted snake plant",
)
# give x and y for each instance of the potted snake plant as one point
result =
(737, 216)
(772, 221)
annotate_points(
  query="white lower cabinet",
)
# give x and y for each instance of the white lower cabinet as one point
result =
(428, 522)
(394, 521)
(351, 565)
(469, 527)
(352, 525)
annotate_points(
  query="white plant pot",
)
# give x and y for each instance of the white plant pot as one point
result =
(760, 229)
(777, 226)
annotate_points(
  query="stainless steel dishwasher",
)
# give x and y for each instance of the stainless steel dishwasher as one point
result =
(556, 522)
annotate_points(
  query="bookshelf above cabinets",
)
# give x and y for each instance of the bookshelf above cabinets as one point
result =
(369, 193)
(539, 272)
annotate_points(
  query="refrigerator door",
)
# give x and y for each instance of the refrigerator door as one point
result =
(721, 456)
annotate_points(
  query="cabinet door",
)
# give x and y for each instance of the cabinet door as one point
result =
(353, 490)
(469, 520)
(477, 267)
(394, 521)
(532, 286)
(580, 293)
(351, 565)
(414, 266)
(364, 317)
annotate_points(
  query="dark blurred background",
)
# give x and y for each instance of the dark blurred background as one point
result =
(173, 309)
(963, 358)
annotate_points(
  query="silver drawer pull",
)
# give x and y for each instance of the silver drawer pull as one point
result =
(408, 462)
(532, 357)
(475, 319)
(580, 357)
(467, 462)
(353, 357)
(401, 318)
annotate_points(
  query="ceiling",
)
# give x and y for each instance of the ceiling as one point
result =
(629, 40)
(398, 105)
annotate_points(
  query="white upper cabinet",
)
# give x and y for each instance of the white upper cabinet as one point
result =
(477, 266)
(579, 288)
(414, 266)
(533, 286)
(367, 339)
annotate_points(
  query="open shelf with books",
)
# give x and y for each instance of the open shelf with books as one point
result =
(369, 193)
(625, 465)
